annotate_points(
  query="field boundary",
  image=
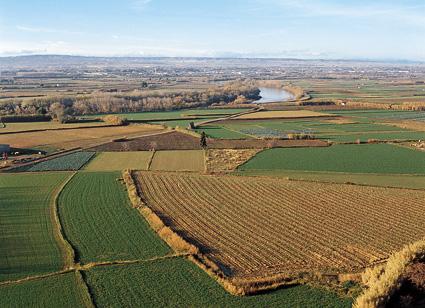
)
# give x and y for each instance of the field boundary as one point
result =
(174, 240)
(65, 245)
(84, 286)
(148, 167)
(55, 129)
(179, 243)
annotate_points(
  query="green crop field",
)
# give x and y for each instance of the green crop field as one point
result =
(364, 137)
(100, 223)
(382, 114)
(64, 290)
(115, 161)
(178, 123)
(221, 132)
(27, 241)
(371, 158)
(393, 180)
(73, 161)
(362, 129)
(179, 283)
(190, 160)
(146, 116)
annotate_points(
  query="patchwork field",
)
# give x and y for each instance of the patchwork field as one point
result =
(115, 161)
(179, 283)
(178, 114)
(282, 115)
(81, 137)
(350, 127)
(369, 158)
(178, 161)
(259, 228)
(100, 223)
(376, 91)
(66, 290)
(28, 244)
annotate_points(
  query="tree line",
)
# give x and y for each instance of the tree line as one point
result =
(134, 101)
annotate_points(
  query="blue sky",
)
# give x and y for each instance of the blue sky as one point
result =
(254, 28)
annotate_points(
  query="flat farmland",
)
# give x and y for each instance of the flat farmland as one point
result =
(115, 161)
(366, 158)
(178, 114)
(27, 242)
(282, 115)
(255, 228)
(179, 283)
(29, 126)
(178, 161)
(100, 223)
(66, 290)
(384, 180)
(70, 138)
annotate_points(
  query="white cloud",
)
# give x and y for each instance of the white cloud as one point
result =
(33, 29)
(140, 4)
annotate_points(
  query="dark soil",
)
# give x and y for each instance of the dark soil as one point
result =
(412, 290)
(180, 141)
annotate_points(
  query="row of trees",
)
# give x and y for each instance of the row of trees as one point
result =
(135, 101)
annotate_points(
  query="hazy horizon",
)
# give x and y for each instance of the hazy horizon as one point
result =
(305, 29)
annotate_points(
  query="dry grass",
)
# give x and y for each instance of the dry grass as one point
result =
(117, 161)
(340, 120)
(383, 281)
(80, 137)
(52, 125)
(174, 240)
(412, 125)
(282, 115)
(271, 230)
(227, 160)
(182, 160)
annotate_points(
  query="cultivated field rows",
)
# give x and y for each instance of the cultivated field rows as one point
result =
(254, 228)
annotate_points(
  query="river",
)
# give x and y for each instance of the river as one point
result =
(272, 95)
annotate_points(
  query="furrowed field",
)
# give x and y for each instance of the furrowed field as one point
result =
(370, 158)
(257, 228)
(179, 283)
(65, 290)
(27, 232)
(101, 225)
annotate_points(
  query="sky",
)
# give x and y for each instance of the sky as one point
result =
(307, 29)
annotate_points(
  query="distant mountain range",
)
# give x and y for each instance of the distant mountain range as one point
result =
(67, 60)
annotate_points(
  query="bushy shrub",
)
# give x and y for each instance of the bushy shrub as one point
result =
(114, 120)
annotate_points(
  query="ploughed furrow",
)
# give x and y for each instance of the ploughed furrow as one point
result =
(257, 227)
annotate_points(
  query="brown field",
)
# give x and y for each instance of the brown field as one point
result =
(182, 160)
(180, 141)
(227, 160)
(81, 137)
(258, 229)
(52, 125)
(293, 114)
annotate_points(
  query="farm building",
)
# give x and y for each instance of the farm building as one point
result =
(4, 148)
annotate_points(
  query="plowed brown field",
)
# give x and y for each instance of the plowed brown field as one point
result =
(261, 227)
